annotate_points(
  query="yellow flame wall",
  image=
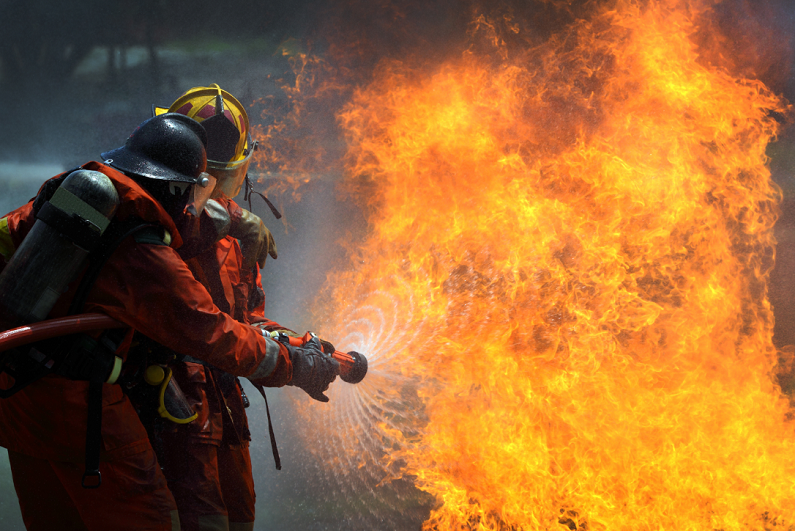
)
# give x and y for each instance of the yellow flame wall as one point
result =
(571, 245)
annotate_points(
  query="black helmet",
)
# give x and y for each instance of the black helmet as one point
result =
(168, 147)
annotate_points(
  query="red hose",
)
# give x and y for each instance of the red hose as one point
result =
(61, 326)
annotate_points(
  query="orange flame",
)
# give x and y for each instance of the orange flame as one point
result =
(564, 292)
(290, 146)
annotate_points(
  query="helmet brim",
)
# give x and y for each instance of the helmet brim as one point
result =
(137, 164)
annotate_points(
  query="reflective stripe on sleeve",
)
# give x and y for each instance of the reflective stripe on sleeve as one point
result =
(268, 363)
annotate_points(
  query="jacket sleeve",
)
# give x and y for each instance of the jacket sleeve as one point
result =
(12, 226)
(256, 295)
(151, 289)
(20, 221)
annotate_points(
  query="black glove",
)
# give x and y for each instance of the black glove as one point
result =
(312, 341)
(313, 370)
(328, 348)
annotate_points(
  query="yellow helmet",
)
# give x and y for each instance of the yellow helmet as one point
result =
(229, 144)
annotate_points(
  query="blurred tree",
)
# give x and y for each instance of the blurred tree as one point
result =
(43, 42)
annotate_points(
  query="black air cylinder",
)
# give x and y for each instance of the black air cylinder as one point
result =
(67, 228)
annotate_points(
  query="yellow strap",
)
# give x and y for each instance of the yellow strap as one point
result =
(161, 409)
(7, 247)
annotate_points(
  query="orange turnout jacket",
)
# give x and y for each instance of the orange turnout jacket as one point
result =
(207, 462)
(149, 288)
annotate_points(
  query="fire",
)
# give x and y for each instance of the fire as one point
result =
(564, 290)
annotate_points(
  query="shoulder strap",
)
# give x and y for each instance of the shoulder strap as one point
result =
(277, 460)
(92, 478)
(115, 235)
(143, 233)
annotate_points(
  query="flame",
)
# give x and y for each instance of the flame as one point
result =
(291, 139)
(563, 294)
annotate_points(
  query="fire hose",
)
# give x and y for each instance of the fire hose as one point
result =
(352, 369)
(353, 366)
(73, 324)
(172, 406)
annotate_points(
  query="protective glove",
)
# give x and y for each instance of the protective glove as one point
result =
(311, 339)
(313, 370)
(328, 348)
(200, 234)
(256, 241)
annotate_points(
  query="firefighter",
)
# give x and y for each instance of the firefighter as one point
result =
(80, 457)
(207, 462)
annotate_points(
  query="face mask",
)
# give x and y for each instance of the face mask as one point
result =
(199, 194)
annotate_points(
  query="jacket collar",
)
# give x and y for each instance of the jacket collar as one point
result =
(136, 201)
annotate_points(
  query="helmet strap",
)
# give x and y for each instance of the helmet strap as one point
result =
(249, 190)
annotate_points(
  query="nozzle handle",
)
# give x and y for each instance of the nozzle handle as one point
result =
(353, 365)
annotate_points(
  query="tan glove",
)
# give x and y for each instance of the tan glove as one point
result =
(256, 241)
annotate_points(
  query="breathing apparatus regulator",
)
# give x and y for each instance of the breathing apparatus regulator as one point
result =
(172, 404)
(148, 380)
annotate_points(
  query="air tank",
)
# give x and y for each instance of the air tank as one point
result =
(68, 227)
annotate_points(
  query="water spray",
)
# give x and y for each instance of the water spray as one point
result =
(352, 369)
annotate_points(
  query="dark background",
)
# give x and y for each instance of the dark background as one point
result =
(77, 77)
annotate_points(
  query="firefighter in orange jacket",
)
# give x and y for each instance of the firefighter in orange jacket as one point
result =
(147, 286)
(207, 462)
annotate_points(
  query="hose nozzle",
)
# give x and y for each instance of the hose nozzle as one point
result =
(353, 366)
